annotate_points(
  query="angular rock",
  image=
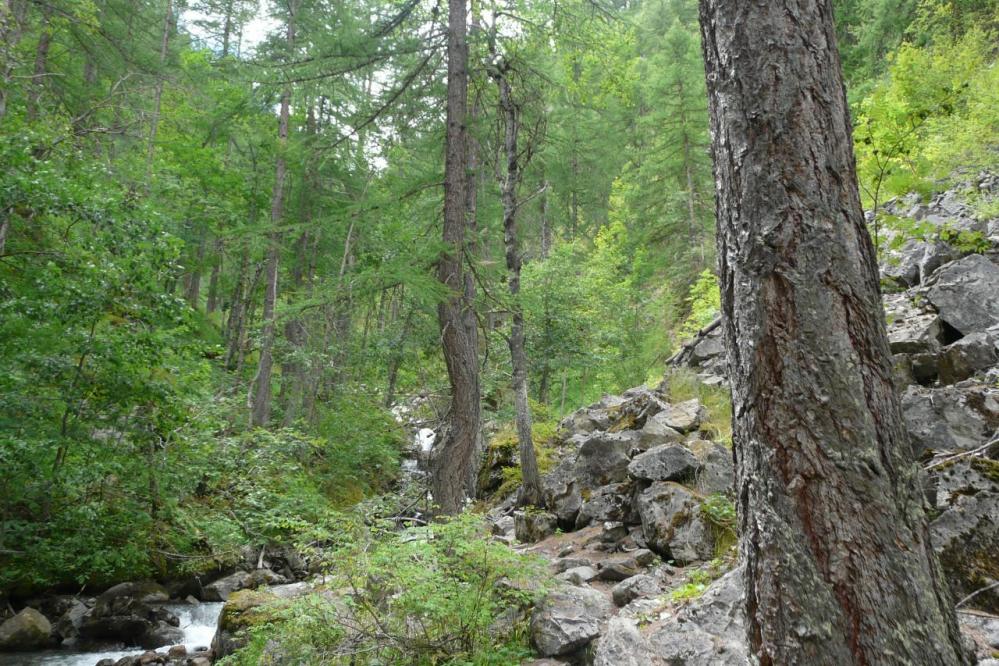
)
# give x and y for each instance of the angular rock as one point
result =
(709, 630)
(561, 492)
(607, 503)
(683, 417)
(623, 645)
(623, 566)
(656, 433)
(671, 462)
(147, 592)
(967, 356)
(578, 575)
(642, 585)
(717, 473)
(673, 525)
(28, 630)
(919, 333)
(949, 419)
(243, 610)
(966, 293)
(67, 627)
(902, 265)
(603, 458)
(533, 526)
(221, 589)
(966, 533)
(565, 563)
(161, 634)
(567, 620)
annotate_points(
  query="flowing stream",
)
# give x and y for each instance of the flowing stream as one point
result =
(196, 620)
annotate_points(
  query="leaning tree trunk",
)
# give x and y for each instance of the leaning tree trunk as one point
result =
(452, 457)
(839, 564)
(530, 493)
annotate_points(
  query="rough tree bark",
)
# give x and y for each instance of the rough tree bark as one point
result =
(530, 492)
(839, 565)
(260, 409)
(451, 459)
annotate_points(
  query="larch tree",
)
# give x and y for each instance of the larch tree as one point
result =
(453, 456)
(833, 532)
(260, 407)
(530, 493)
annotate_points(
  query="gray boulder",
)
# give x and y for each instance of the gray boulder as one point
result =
(708, 631)
(717, 472)
(578, 575)
(949, 419)
(969, 355)
(642, 585)
(147, 592)
(915, 334)
(625, 565)
(560, 491)
(670, 462)
(67, 627)
(28, 630)
(161, 634)
(682, 417)
(902, 264)
(622, 644)
(966, 294)
(223, 587)
(607, 503)
(533, 526)
(603, 458)
(567, 620)
(673, 525)
(655, 433)
(966, 532)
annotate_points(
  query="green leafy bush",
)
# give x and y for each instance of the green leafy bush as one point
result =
(430, 595)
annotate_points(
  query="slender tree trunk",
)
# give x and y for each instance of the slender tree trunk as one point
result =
(839, 564)
(237, 311)
(452, 457)
(212, 303)
(193, 291)
(544, 387)
(531, 489)
(4, 229)
(154, 123)
(11, 29)
(395, 360)
(41, 63)
(260, 412)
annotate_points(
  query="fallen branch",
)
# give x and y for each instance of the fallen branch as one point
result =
(683, 354)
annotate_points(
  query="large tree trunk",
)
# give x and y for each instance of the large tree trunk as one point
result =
(531, 489)
(839, 565)
(260, 411)
(452, 457)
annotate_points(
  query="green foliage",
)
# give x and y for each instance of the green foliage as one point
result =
(424, 596)
(704, 301)
(720, 513)
(683, 384)
(934, 111)
(698, 581)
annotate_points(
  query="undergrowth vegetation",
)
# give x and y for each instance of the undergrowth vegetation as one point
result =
(683, 384)
(444, 594)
